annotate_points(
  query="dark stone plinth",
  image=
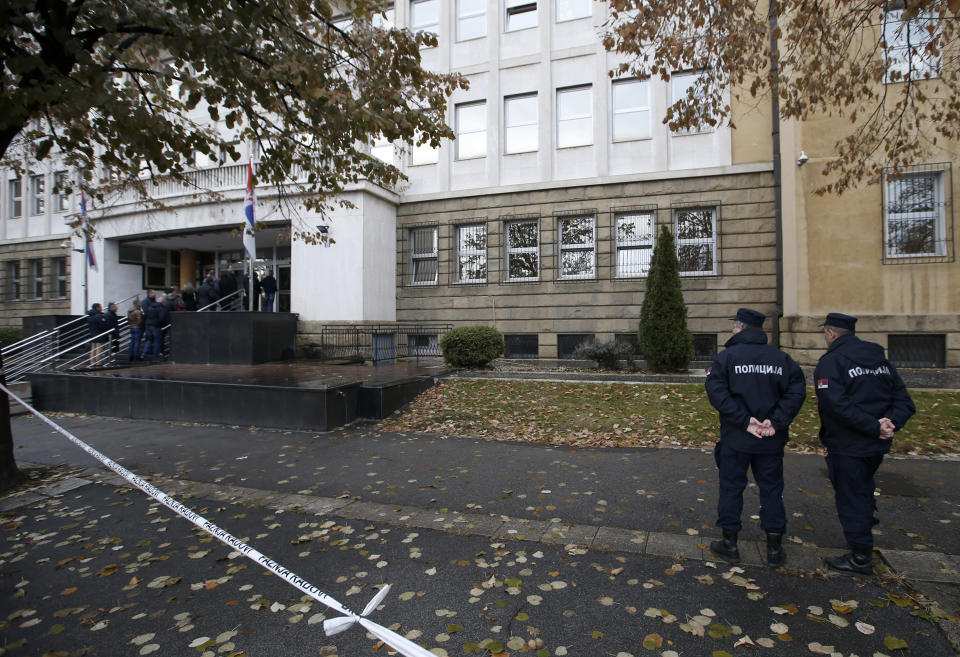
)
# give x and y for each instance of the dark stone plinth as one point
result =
(232, 338)
(378, 400)
(283, 407)
(39, 323)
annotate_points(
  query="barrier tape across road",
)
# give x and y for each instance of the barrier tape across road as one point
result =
(331, 626)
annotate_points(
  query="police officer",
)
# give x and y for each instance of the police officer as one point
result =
(757, 390)
(862, 401)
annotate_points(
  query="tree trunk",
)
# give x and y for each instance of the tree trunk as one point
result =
(10, 475)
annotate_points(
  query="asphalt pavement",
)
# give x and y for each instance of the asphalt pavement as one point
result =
(490, 548)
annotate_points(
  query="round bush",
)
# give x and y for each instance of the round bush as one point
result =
(472, 346)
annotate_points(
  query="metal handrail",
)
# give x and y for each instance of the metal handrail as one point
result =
(220, 301)
(10, 348)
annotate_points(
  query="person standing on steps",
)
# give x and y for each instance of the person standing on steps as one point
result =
(862, 401)
(757, 391)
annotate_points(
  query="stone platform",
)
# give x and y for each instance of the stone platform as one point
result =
(302, 395)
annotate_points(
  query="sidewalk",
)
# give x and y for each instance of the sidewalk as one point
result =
(615, 531)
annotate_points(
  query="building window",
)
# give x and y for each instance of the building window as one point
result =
(425, 16)
(907, 57)
(37, 195)
(916, 215)
(60, 266)
(382, 149)
(631, 110)
(423, 256)
(471, 130)
(14, 277)
(471, 19)
(574, 116)
(521, 123)
(523, 345)
(681, 86)
(385, 19)
(521, 15)
(36, 275)
(61, 200)
(696, 231)
(568, 343)
(634, 241)
(568, 10)
(472, 253)
(704, 347)
(423, 154)
(15, 196)
(523, 250)
(343, 23)
(577, 252)
(419, 344)
(917, 350)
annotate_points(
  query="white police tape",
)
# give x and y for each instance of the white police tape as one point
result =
(331, 625)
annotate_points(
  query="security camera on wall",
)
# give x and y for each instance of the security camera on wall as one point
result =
(802, 159)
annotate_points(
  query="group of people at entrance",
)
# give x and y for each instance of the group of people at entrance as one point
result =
(214, 289)
(758, 391)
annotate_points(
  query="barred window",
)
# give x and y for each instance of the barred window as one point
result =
(916, 223)
(14, 278)
(36, 273)
(906, 41)
(634, 239)
(696, 231)
(577, 252)
(472, 253)
(61, 268)
(523, 250)
(423, 256)
(37, 194)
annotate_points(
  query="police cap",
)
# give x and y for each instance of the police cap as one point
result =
(839, 320)
(749, 317)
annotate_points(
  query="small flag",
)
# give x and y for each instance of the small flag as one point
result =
(85, 227)
(249, 238)
(709, 370)
(823, 383)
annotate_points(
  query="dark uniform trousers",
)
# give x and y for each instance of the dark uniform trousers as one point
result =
(853, 486)
(767, 472)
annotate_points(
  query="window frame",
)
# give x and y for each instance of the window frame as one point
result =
(512, 8)
(15, 198)
(38, 195)
(615, 111)
(458, 108)
(904, 56)
(940, 220)
(463, 18)
(515, 251)
(507, 127)
(15, 280)
(712, 242)
(468, 253)
(61, 198)
(561, 120)
(416, 257)
(633, 245)
(557, 10)
(36, 278)
(63, 277)
(702, 129)
(425, 27)
(577, 248)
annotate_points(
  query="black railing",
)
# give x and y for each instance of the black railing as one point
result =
(380, 342)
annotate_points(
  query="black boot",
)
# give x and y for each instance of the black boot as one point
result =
(775, 552)
(727, 548)
(859, 561)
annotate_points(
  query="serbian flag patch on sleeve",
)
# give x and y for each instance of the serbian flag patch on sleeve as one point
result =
(709, 369)
(823, 383)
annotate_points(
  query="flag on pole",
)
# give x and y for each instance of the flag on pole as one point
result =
(249, 237)
(85, 227)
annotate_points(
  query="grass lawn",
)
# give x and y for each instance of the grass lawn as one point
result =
(622, 415)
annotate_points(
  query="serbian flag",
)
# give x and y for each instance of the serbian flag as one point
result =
(85, 227)
(249, 238)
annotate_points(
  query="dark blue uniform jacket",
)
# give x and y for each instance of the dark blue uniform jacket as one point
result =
(856, 386)
(157, 315)
(752, 379)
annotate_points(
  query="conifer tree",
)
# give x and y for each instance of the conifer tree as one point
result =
(664, 338)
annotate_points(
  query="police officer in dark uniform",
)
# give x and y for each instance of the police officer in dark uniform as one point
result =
(862, 401)
(757, 390)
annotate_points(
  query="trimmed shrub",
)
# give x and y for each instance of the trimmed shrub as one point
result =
(607, 354)
(472, 346)
(9, 335)
(664, 338)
